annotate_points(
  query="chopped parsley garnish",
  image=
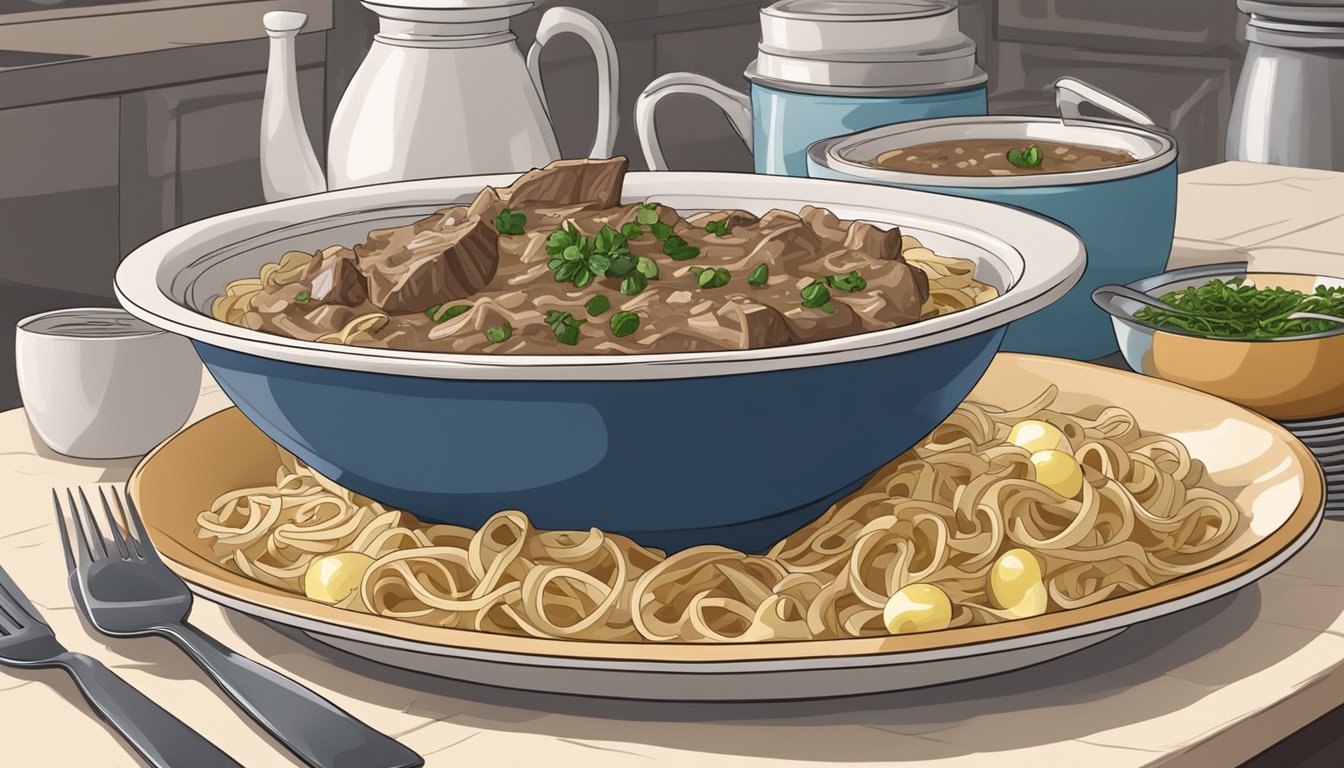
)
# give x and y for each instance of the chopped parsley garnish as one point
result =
(632, 230)
(1236, 309)
(662, 231)
(564, 326)
(634, 284)
(759, 275)
(579, 259)
(597, 305)
(710, 277)
(647, 267)
(1025, 158)
(441, 313)
(848, 283)
(499, 333)
(828, 308)
(647, 214)
(510, 222)
(678, 249)
(718, 228)
(816, 295)
(301, 297)
(624, 323)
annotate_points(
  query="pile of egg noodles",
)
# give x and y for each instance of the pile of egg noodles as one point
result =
(997, 515)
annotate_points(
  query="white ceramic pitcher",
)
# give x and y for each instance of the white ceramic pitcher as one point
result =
(443, 91)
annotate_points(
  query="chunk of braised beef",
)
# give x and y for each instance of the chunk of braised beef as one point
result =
(874, 242)
(411, 271)
(587, 183)
(334, 277)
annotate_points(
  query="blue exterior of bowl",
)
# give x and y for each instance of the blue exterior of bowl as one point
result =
(1127, 225)
(785, 123)
(722, 459)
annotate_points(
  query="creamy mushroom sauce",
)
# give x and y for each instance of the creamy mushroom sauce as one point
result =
(556, 264)
(990, 157)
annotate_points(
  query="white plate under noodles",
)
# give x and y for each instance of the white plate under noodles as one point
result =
(1256, 463)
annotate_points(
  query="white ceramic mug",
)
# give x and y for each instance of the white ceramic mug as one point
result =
(101, 384)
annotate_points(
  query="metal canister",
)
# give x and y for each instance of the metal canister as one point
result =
(1289, 107)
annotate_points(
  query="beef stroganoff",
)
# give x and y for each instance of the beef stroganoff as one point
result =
(997, 515)
(558, 264)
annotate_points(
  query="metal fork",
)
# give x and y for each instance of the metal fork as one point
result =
(163, 740)
(125, 590)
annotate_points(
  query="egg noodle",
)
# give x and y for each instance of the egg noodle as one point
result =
(967, 520)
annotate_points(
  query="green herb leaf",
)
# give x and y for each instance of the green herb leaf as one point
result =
(1025, 158)
(562, 238)
(609, 240)
(565, 326)
(624, 323)
(828, 308)
(815, 295)
(583, 277)
(510, 222)
(647, 214)
(710, 277)
(634, 284)
(759, 275)
(647, 267)
(567, 271)
(597, 305)
(440, 313)
(661, 231)
(573, 253)
(599, 263)
(678, 249)
(499, 333)
(718, 228)
(622, 265)
(632, 230)
(301, 297)
(849, 283)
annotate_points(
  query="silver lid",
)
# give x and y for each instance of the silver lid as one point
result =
(1310, 11)
(863, 44)
(1284, 33)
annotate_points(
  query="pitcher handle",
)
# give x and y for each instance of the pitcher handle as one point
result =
(1070, 94)
(735, 105)
(560, 20)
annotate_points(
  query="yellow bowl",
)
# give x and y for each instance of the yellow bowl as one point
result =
(1287, 379)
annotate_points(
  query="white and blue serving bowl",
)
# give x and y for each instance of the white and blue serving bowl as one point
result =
(1125, 214)
(737, 448)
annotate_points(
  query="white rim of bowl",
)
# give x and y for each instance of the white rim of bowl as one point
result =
(1054, 266)
(837, 153)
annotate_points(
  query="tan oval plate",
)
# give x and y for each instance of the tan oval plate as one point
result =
(1269, 474)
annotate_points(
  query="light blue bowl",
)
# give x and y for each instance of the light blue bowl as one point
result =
(1126, 215)
(736, 448)
(785, 123)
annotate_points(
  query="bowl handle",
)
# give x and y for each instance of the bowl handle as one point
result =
(737, 107)
(1070, 94)
(1112, 299)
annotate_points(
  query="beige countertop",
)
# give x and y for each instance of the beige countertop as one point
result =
(1209, 687)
